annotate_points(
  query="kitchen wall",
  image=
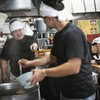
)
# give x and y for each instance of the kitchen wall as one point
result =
(88, 17)
(84, 11)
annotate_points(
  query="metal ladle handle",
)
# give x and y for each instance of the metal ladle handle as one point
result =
(20, 68)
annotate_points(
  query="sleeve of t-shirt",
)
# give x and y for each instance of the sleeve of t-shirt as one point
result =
(32, 39)
(4, 54)
(74, 45)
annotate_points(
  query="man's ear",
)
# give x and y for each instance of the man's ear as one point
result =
(48, 18)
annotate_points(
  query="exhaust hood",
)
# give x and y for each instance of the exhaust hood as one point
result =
(8, 5)
(17, 8)
(13, 5)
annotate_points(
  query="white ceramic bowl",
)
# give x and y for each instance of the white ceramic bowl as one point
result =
(22, 80)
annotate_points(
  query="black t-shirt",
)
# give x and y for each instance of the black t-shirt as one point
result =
(71, 43)
(14, 50)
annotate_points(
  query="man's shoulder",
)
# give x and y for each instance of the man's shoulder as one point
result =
(70, 28)
(28, 37)
(10, 40)
(75, 31)
(74, 28)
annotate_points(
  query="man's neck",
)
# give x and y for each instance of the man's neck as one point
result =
(61, 25)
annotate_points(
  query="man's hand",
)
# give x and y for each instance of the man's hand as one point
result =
(25, 63)
(34, 47)
(4, 78)
(38, 75)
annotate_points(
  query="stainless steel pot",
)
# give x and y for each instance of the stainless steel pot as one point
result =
(9, 88)
(13, 91)
(41, 26)
(19, 97)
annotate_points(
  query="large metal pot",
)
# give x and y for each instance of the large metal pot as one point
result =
(41, 26)
(13, 91)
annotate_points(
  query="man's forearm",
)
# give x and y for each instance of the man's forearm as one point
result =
(3, 67)
(43, 61)
(68, 68)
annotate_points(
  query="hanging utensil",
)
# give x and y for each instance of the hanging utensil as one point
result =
(37, 5)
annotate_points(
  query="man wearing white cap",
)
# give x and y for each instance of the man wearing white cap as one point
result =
(95, 50)
(70, 51)
(20, 46)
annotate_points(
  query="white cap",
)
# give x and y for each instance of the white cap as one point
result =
(16, 25)
(62, 15)
(96, 40)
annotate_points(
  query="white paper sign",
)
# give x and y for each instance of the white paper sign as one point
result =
(89, 5)
(78, 6)
(6, 28)
(97, 2)
(68, 5)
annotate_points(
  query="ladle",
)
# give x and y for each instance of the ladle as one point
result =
(20, 68)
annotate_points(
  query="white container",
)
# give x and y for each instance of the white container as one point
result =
(95, 77)
(22, 80)
(46, 53)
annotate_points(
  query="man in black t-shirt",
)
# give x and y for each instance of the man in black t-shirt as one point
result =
(20, 46)
(73, 76)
